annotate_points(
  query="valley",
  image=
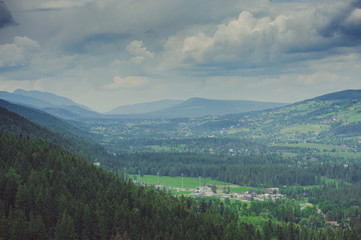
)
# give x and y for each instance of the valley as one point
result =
(180, 120)
(293, 170)
(315, 128)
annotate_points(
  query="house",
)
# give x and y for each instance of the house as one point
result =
(252, 191)
(268, 190)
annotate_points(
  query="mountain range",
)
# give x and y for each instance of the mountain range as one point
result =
(145, 107)
(195, 107)
(199, 107)
(48, 102)
(65, 108)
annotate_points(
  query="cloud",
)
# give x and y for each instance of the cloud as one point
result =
(63, 4)
(138, 51)
(248, 49)
(343, 20)
(355, 17)
(317, 78)
(6, 19)
(18, 53)
(260, 39)
(247, 40)
(127, 82)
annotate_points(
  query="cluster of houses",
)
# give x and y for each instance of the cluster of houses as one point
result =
(252, 194)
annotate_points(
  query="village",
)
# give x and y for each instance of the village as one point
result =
(223, 192)
(251, 194)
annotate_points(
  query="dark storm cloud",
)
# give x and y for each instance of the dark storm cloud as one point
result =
(346, 24)
(6, 18)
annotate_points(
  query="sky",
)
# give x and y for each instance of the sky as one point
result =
(108, 53)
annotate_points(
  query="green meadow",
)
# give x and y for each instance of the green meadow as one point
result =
(188, 182)
(317, 128)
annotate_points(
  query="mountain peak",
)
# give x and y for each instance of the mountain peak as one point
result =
(349, 94)
(45, 96)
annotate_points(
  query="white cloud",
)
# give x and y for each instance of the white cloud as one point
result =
(247, 39)
(355, 17)
(61, 4)
(18, 53)
(261, 38)
(138, 51)
(127, 82)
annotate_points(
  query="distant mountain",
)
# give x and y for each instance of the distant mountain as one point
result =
(14, 123)
(342, 95)
(72, 112)
(24, 100)
(318, 120)
(46, 97)
(56, 105)
(44, 119)
(144, 107)
(195, 107)
(199, 107)
(36, 123)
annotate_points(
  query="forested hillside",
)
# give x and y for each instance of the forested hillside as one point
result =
(44, 119)
(38, 124)
(326, 125)
(49, 193)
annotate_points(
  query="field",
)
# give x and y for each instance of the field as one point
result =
(305, 128)
(243, 188)
(188, 182)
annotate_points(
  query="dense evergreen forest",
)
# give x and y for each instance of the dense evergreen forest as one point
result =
(49, 193)
(14, 123)
(254, 170)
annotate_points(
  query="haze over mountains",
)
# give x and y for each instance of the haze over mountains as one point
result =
(144, 107)
(198, 107)
(56, 105)
(195, 107)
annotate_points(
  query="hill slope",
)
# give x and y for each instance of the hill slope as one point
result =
(330, 123)
(47, 193)
(144, 107)
(44, 119)
(56, 105)
(14, 123)
(342, 95)
(24, 100)
(333, 119)
(46, 97)
(33, 122)
(199, 107)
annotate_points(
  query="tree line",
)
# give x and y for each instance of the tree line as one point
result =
(268, 170)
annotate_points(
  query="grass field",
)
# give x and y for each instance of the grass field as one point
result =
(242, 188)
(323, 179)
(317, 128)
(188, 182)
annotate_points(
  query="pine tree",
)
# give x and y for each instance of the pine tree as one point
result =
(18, 225)
(64, 229)
(37, 228)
